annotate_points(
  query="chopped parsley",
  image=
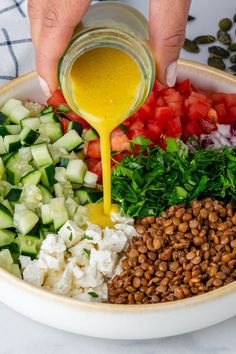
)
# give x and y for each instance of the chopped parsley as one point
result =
(86, 237)
(93, 294)
(88, 252)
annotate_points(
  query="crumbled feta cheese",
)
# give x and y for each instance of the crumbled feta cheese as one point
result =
(81, 251)
(53, 244)
(91, 278)
(93, 234)
(104, 260)
(70, 233)
(129, 230)
(122, 219)
(113, 240)
(33, 274)
(46, 261)
(63, 286)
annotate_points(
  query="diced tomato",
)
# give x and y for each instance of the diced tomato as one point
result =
(146, 112)
(151, 101)
(185, 88)
(198, 109)
(157, 88)
(212, 116)
(174, 128)
(65, 122)
(94, 150)
(137, 125)
(153, 126)
(120, 156)
(173, 97)
(230, 100)
(160, 102)
(98, 170)
(90, 162)
(232, 114)
(178, 108)
(192, 128)
(56, 99)
(120, 143)
(163, 114)
(207, 126)
(217, 97)
(221, 113)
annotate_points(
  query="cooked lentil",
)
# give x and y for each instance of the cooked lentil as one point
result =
(183, 253)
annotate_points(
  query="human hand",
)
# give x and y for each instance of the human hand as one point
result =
(52, 25)
(53, 22)
(168, 20)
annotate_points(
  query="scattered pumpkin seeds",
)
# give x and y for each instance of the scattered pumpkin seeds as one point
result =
(191, 18)
(205, 39)
(225, 24)
(218, 52)
(191, 46)
(233, 59)
(232, 47)
(233, 68)
(216, 63)
(224, 37)
(235, 18)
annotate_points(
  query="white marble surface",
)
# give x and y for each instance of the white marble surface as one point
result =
(19, 335)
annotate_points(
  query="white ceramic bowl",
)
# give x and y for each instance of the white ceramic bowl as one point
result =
(120, 321)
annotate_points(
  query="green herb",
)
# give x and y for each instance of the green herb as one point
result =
(88, 252)
(85, 237)
(154, 180)
(71, 237)
(93, 294)
(142, 140)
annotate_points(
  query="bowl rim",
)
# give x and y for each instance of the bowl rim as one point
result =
(79, 305)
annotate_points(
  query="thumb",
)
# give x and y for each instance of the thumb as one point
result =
(168, 20)
(58, 22)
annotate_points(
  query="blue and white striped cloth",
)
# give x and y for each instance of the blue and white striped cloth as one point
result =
(16, 48)
(17, 55)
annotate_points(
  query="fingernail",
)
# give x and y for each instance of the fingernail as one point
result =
(171, 74)
(44, 86)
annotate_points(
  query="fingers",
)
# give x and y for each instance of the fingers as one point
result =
(168, 20)
(53, 23)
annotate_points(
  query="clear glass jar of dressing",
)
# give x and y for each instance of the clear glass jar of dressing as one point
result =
(116, 25)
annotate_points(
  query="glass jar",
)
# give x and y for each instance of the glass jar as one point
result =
(110, 24)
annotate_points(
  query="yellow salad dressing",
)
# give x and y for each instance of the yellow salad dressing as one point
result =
(106, 84)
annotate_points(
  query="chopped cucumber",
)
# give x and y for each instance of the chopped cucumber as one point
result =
(58, 212)
(25, 220)
(28, 136)
(9, 129)
(71, 206)
(45, 214)
(90, 178)
(15, 270)
(32, 177)
(88, 195)
(47, 110)
(76, 126)
(10, 105)
(12, 142)
(7, 204)
(48, 175)
(47, 196)
(28, 245)
(2, 146)
(69, 141)
(6, 237)
(2, 169)
(58, 190)
(52, 130)
(90, 134)
(25, 154)
(4, 119)
(41, 154)
(63, 108)
(76, 170)
(6, 219)
(6, 259)
(18, 113)
(49, 118)
(14, 195)
(64, 161)
(32, 123)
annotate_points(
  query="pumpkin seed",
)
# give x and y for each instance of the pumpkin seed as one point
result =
(225, 24)
(216, 63)
(218, 52)
(235, 18)
(233, 59)
(233, 68)
(232, 47)
(191, 18)
(205, 39)
(191, 46)
(224, 37)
